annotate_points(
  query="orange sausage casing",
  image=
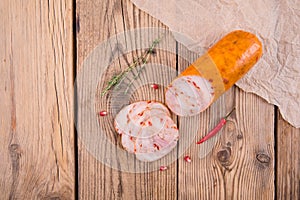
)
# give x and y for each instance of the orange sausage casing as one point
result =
(214, 73)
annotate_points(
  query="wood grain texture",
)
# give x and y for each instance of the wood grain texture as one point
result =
(96, 22)
(241, 164)
(36, 116)
(288, 160)
(36, 120)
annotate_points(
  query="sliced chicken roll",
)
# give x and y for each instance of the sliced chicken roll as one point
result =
(141, 119)
(150, 157)
(189, 95)
(167, 135)
(147, 130)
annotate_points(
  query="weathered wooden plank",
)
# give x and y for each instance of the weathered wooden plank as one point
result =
(241, 164)
(36, 120)
(288, 160)
(96, 22)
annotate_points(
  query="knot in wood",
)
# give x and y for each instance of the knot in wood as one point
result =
(14, 151)
(239, 136)
(263, 158)
(64, 193)
(224, 155)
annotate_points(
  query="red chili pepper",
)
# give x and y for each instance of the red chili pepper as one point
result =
(216, 129)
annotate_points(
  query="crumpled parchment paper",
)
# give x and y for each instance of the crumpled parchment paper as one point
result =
(276, 77)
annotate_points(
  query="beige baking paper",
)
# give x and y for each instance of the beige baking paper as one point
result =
(276, 77)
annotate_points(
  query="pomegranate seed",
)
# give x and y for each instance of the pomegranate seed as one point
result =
(103, 113)
(187, 159)
(154, 86)
(163, 168)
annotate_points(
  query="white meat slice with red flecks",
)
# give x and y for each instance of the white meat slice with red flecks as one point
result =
(138, 109)
(141, 119)
(189, 95)
(154, 143)
(150, 157)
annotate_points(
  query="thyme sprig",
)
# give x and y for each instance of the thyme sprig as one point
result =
(142, 60)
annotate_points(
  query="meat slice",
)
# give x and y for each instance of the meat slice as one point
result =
(154, 143)
(141, 119)
(147, 130)
(150, 157)
(189, 95)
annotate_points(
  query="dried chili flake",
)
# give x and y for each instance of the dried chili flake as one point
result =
(187, 159)
(163, 168)
(103, 113)
(154, 86)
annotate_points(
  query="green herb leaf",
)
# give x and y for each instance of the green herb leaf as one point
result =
(140, 60)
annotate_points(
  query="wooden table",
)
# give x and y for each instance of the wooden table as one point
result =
(44, 44)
